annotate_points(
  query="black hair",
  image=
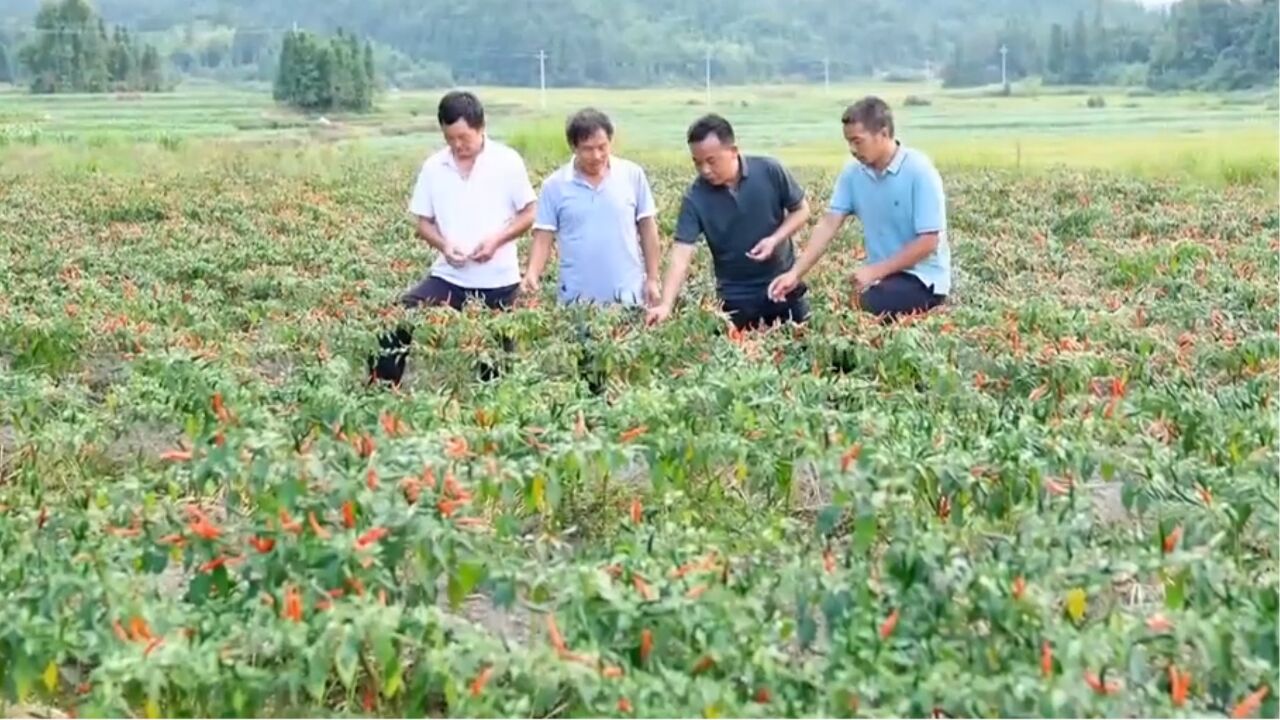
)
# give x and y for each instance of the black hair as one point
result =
(872, 113)
(585, 123)
(708, 125)
(460, 105)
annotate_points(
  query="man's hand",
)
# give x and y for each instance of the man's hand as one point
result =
(454, 256)
(783, 285)
(652, 292)
(530, 285)
(763, 249)
(486, 251)
(864, 277)
(658, 314)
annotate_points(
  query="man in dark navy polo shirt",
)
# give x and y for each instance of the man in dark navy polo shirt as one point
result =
(747, 207)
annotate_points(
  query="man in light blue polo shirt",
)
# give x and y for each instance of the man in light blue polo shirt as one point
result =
(897, 194)
(601, 210)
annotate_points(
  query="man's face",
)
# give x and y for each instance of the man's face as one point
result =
(592, 153)
(715, 161)
(870, 148)
(464, 141)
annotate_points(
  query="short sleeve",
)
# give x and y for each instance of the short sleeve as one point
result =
(842, 199)
(421, 202)
(789, 190)
(645, 206)
(928, 202)
(688, 226)
(521, 189)
(548, 199)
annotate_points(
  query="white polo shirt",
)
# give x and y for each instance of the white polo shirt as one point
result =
(468, 210)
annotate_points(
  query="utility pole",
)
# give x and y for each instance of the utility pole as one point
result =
(1004, 67)
(542, 78)
(708, 80)
(826, 75)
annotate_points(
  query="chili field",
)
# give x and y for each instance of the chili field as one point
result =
(1056, 497)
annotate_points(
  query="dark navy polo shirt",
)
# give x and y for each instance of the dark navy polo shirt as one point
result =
(733, 221)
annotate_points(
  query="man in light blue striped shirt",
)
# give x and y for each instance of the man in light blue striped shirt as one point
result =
(601, 210)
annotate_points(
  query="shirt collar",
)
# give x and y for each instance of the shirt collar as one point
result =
(452, 162)
(895, 163)
(575, 175)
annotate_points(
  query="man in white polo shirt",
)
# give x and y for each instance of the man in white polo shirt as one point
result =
(471, 201)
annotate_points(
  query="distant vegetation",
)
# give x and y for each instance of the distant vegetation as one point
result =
(71, 51)
(1194, 44)
(320, 74)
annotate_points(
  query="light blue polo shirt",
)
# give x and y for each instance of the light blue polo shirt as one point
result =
(895, 207)
(595, 227)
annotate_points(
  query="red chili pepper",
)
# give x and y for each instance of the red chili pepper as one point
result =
(371, 537)
(262, 545)
(348, 515)
(646, 644)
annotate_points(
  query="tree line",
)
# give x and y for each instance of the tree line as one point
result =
(1210, 44)
(1200, 44)
(318, 74)
(71, 51)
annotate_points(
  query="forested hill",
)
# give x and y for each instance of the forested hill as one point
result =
(637, 41)
(1218, 44)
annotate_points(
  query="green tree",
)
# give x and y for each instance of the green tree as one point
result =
(1079, 60)
(1056, 59)
(6, 72)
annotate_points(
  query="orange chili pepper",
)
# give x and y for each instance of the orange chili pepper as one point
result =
(292, 605)
(646, 644)
(316, 528)
(637, 511)
(627, 436)
(348, 514)
(1179, 684)
(481, 679)
(891, 622)
(1019, 587)
(1171, 540)
(288, 523)
(1250, 704)
(850, 456)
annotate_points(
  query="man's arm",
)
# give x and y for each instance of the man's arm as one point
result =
(430, 232)
(518, 225)
(819, 240)
(910, 254)
(681, 259)
(538, 256)
(793, 222)
(650, 246)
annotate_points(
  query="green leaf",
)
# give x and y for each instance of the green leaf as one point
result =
(463, 581)
(864, 531)
(393, 678)
(348, 658)
(828, 518)
(1175, 590)
(806, 627)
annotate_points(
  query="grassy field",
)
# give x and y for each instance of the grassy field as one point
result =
(1219, 137)
(1057, 496)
